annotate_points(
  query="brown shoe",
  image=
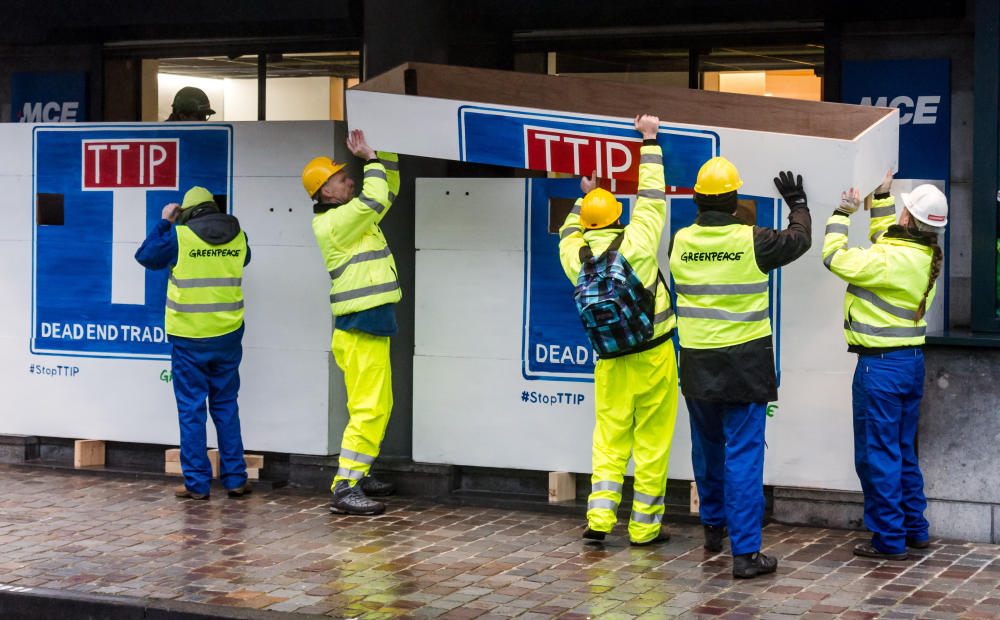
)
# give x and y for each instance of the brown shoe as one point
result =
(246, 489)
(184, 492)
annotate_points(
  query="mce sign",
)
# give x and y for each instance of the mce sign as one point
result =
(923, 111)
(48, 97)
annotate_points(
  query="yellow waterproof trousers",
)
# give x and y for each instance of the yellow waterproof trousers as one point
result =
(364, 358)
(636, 403)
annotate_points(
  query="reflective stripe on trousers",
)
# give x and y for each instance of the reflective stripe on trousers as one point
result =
(364, 359)
(636, 405)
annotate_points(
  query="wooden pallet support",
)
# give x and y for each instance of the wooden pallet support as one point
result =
(562, 486)
(88, 453)
(172, 463)
(695, 502)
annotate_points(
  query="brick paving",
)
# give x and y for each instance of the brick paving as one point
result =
(282, 551)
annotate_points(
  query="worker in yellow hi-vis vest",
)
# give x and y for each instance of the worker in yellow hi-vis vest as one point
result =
(720, 265)
(206, 252)
(363, 295)
(890, 286)
(635, 380)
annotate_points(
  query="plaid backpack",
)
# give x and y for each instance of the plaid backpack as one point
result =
(615, 308)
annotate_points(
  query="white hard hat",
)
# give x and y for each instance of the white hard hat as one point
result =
(927, 204)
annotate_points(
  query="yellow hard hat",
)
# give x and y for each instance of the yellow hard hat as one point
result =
(317, 172)
(599, 208)
(195, 196)
(718, 176)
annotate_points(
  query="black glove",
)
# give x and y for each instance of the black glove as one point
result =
(790, 188)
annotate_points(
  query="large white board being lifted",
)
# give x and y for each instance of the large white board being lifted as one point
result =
(503, 371)
(502, 368)
(577, 126)
(82, 349)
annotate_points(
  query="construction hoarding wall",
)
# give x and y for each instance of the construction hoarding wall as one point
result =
(503, 372)
(82, 347)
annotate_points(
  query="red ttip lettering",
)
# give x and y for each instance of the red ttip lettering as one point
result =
(581, 154)
(146, 164)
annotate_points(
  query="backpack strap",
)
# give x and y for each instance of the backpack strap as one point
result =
(586, 253)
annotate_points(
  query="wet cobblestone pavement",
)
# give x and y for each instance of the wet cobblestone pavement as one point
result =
(281, 550)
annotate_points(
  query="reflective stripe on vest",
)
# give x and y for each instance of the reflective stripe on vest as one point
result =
(722, 295)
(884, 317)
(361, 257)
(362, 274)
(358, 293)
(874, 322)
(204, 298)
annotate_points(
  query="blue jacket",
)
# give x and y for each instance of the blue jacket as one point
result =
(159, 251)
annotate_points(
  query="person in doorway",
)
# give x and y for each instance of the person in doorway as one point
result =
(190, 104)
(363, 296)
(890, 286)
(720, 266)
(636, 389)
(206, 251)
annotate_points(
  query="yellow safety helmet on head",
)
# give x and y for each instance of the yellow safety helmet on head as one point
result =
(718, 176)
(317, 172)
(599, 209)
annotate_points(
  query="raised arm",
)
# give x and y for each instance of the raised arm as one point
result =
(864, 267)
(650, 213)
(571, 233)
(351, 220)
(883, 209)
(777, 248)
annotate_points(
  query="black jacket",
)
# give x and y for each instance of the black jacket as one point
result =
(744, 373)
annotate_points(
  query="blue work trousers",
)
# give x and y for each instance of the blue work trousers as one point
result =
(727, 451)
(212, 375)
(887, 392)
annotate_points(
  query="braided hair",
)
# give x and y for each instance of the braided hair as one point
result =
(930, 236)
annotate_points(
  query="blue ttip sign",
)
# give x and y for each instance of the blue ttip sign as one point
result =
(98, 191)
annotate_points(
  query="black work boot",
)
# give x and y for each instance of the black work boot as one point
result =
(350, 500)
(713, 536)
(749, 565)
(595, 535)
(662, 537)
(376, 488)
(868, 550)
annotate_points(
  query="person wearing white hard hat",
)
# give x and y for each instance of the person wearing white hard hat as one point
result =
(890, 286)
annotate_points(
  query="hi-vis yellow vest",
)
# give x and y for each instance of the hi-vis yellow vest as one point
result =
(204, 298)
(885, 284)
(362, 269)
(722, 295)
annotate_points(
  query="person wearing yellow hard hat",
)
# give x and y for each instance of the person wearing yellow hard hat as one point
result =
(890, 286)
(363, 295)
(205, 251)
(720, 266)
(624, 304)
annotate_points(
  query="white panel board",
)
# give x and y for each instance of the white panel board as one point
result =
(432, 127)
(468, 214)
(468, 375)
(285, 391)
